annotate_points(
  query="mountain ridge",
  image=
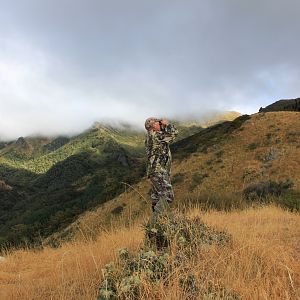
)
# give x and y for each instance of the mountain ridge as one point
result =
(282, 105)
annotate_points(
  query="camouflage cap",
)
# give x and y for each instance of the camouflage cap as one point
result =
(150, 121)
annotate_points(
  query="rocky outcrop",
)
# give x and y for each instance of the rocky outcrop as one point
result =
(283, 105)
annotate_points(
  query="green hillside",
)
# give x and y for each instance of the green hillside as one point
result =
(53, 180)
(49, 190)
(39, 155)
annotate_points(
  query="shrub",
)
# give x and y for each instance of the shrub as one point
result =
(177, 178)
(197, 178)
(290, 200)
(219, 153)
(252, 146)
(156, 263)
(249, 174)
(117, 210)
(181, 232)
(268, 156)
(267, 188)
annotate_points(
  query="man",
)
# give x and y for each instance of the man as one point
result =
(159, 135)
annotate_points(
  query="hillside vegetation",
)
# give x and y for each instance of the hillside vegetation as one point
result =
(215, 167)
(261, 261)
(53, 180)
(241, 178)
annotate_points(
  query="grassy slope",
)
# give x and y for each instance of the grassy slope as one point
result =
(225, 153)
(265, 147)
(263, 260)
(261, 263)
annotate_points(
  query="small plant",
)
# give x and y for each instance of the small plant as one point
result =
(252, 146)
(108, 287)
(209, 162)
(267, 188)
(189, 284)
(124, 280)
(292, 137)
(177, 178)
(219, 292)
(219, 153)
(268, 156)
(197, 178)
(117, 210)
(269, 139)
(290, 200)
(249, 175)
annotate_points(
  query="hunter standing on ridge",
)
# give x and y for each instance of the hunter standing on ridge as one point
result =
(159, 134)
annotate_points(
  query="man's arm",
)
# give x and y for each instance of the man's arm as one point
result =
(168, 132)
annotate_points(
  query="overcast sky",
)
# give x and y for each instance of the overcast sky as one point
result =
(67, 63)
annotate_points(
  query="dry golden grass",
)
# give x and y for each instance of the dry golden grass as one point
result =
(262, 262)
(282, 128)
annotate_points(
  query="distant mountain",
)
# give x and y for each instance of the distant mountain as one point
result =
(211, 120)
(24, 148)
(283, 105)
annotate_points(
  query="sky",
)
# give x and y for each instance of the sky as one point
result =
(65, 64)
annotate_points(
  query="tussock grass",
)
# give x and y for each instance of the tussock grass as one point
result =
(261, 262)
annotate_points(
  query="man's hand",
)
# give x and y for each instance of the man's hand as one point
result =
(155, 126)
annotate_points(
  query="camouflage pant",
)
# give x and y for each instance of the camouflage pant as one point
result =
(161, 192)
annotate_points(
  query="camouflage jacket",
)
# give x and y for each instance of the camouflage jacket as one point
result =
(158, 150)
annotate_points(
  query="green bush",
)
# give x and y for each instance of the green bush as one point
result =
(290, 200)
(176, 228)
(266, 188)
(156, 263)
